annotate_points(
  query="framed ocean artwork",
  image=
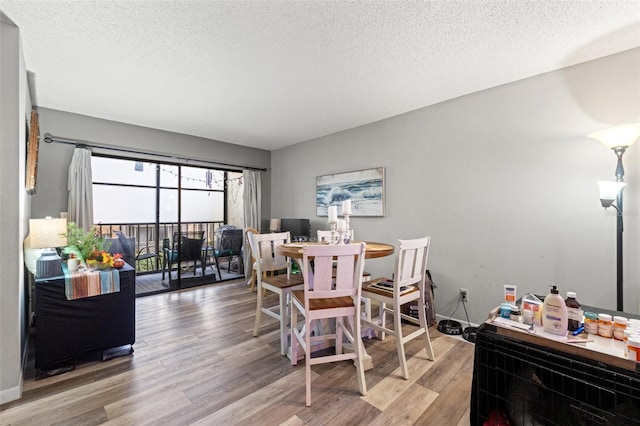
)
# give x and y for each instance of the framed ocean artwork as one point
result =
(365, 189)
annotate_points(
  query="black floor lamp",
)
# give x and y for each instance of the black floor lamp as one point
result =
(617, 139)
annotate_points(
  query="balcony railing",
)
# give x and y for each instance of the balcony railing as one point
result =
(149, 237)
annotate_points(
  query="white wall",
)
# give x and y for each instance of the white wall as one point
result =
(51, 197)
(504, 182)
(14, 207)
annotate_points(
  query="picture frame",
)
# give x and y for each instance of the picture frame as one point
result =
(365, 189)
(33, 137)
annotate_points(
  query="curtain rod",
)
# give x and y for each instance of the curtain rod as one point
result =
(52, 139)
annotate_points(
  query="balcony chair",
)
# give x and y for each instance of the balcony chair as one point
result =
(127, 246)
(407, 285)
(325, 297)
(190, 250)
(264, 249)
(229, 246)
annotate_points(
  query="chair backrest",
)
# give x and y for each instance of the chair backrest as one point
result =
(411, 263)
(191, 247)
(266, 252)
(344, 262)
(230, 241)
(124, 246)
(250, 232)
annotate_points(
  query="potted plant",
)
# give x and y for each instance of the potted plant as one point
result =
(85, 245)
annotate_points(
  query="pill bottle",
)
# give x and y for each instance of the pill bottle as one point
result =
(629, 332)
(619, 326)
(605, 325)
(527, 317)
(515, 314)
(591, 322)
(633, 323)
(633, 346)
(574, 312)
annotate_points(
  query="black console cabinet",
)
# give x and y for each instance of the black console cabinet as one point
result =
(70, 330)
(532, 380)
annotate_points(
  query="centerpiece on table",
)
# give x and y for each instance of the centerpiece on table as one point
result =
(90, 248)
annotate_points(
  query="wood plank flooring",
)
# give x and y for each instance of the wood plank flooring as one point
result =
(196, 363)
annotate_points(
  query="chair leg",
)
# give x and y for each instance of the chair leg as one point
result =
(294, 333)
(383, 319)
(397, 327)
(256, 327)
(422, 318)
(283, 324)
(218, 266)
(307, 360)
(339, 325)
(359, 347)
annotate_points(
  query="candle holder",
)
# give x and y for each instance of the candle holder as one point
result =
(335, 235)
(347, 236)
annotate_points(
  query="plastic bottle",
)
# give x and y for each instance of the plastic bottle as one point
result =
(619, 326)
(574, 312)
(555, 317)
(591, 322)
(605, 325)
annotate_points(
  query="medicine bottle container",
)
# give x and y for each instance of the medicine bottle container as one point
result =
(633, 347)
(574, 312)
(591, 322)
(605, 325)
(619, 326)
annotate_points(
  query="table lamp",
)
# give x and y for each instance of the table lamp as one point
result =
(274, 225)
(48, 233)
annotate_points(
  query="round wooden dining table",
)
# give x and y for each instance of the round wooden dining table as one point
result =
(372, 251)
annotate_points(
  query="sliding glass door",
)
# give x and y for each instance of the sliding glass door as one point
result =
(170, 213)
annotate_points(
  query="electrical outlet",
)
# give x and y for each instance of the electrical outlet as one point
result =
(464, 294)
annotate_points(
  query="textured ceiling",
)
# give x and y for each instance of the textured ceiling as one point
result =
(271, 74)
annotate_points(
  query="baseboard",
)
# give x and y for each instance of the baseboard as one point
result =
(11, 394)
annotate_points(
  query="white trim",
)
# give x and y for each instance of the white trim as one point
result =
(11, 394)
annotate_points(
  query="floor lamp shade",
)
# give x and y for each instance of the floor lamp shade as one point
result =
(48, 233)
(621, 136)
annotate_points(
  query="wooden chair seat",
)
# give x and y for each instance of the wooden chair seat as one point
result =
(369, 287)
(282, 281)
(330, 303)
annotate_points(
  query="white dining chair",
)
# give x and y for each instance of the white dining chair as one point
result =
(268, 260)
(408, 285)
(324, 297)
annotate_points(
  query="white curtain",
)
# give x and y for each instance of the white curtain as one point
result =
(252, 199)
(80, 189)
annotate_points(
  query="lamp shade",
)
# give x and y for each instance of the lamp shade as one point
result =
(47, 233)
(609, 191)
(274, 225)
(621, 136)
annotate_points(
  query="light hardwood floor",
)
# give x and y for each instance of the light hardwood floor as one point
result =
(195, 362)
